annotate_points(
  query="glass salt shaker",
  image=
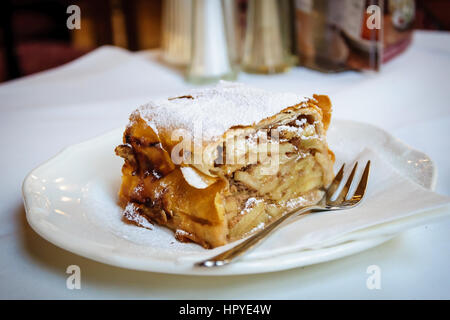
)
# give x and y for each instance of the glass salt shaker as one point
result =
(210, 58)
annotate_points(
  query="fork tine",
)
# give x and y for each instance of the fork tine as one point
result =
(335, 183)
(347, 185)
(361, 189)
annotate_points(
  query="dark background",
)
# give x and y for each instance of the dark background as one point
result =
(34, 36)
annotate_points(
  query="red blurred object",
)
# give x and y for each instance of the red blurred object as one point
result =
(433, 14)
(38, 56)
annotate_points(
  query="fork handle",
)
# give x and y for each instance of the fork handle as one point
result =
(236, 251)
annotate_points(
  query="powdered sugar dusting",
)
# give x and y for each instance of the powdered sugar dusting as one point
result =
(131, 214)
(260, 226)
(296, 202)
(216, 109)
(138, 189)
(250, 204)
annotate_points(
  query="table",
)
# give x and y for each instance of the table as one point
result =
(43, 113)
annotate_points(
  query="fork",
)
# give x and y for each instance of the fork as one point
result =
(341, 202)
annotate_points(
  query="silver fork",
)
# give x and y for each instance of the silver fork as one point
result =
(325, 204)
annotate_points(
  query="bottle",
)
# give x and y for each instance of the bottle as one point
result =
(210, 59)
(264, 48)
(176, 32)
(334, 36)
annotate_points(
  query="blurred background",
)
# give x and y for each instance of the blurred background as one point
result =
(317, 34)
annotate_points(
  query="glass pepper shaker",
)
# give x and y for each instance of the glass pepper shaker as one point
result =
(176, 32)
(264, 50)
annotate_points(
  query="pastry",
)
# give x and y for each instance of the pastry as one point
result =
(216, 164)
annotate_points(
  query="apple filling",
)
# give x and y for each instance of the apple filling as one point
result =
(288, 176)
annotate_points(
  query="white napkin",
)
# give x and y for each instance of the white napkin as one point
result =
(389, 197)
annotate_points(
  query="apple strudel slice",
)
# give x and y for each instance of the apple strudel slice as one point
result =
(216, 164)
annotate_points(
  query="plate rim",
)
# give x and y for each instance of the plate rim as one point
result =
(239, 268)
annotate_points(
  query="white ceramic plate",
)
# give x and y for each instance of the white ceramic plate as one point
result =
(71, 201)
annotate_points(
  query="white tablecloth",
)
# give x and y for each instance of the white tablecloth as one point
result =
(44, 113)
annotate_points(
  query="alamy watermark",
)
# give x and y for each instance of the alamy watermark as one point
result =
(374, 18)
(74, 20)
(373, 282)
(262, 146)
(74, 280)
